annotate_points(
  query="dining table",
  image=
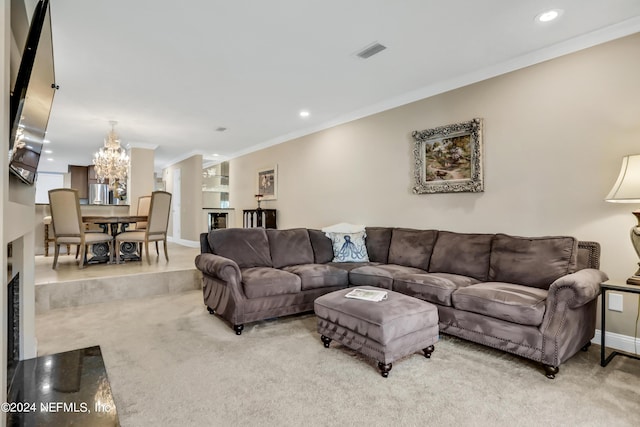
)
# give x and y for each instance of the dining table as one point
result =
(114, 224)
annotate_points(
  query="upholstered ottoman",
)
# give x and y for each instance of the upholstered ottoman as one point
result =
(386, 330)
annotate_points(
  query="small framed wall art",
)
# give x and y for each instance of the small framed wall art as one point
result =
(268, 183)
(448, 159)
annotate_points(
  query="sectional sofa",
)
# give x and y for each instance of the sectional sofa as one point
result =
(533, 297)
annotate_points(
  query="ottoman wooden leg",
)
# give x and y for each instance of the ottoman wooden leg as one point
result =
(428, 351)
(384, 369)
(325, 340)
(551, 371)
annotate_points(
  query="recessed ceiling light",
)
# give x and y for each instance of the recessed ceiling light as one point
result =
(45, 141)
(215, 154)
(304, 113)
(549, 15)
(50, 159)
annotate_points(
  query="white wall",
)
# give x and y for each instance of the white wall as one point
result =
(47, 181)
(554, 137)
(17, 225)
(191, 198)
(140, 181)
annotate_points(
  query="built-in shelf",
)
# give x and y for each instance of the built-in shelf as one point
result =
(215, 186)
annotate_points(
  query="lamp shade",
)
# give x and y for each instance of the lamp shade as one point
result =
(627, 186)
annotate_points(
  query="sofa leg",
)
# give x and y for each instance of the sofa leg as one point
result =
(427, 351)
(551, 371)
(325, 340)
(211, 310)
(384, 369)
(586, 346)
(238, 329)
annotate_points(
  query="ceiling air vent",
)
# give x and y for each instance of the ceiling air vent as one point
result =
(371, 50)
(221, 129)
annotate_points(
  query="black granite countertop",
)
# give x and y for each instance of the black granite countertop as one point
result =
(63, 389)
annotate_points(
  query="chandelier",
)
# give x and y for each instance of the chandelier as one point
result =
(111, 161)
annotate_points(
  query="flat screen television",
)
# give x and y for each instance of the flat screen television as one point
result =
(32, 97)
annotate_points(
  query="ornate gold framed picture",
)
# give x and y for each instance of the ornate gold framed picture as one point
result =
(448, 159)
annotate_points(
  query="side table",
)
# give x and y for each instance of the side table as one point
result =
(619, 287)
(259, 218)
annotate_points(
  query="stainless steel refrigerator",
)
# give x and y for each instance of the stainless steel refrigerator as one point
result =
(98, 194)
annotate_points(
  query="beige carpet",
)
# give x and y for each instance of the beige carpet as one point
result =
(171, 363)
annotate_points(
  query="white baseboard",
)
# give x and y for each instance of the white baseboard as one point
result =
(188, 243)
(619, 342)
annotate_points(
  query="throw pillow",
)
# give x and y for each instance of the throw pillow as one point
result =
(343, 227)
(349, 247)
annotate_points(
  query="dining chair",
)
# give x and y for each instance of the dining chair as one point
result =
(68, 229)
(144, 203)
(48, 236)
(157, 224)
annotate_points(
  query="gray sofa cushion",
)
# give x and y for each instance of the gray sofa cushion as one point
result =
(379, 275)
(322, 246)
(412, 248)
(463, 254)
(259, 282)
(524, 305)
(290, 247)
(315, 276)
(433, 287)
(532, 261)
(348, 266)
(248, 247)
(378, 240)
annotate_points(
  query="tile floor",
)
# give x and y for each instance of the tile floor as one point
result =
(180, 258)
(69, 286)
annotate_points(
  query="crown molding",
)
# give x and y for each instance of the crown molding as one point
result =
(142, 145)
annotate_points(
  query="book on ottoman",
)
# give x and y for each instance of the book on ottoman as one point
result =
(367, 295)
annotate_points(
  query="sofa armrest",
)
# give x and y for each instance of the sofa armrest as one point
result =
(219, 267)
(570, 317)
(584, 286)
